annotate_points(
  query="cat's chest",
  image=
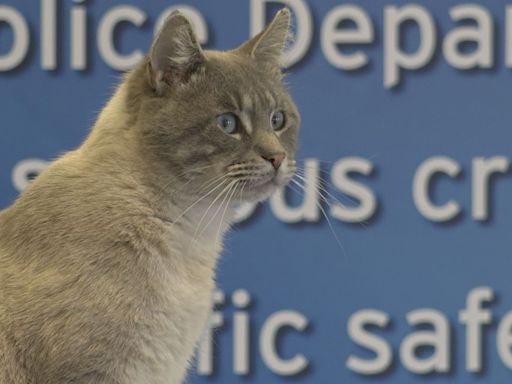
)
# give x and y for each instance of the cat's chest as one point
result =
(171, 325)
(181, 281)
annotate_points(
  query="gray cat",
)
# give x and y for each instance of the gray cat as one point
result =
(107, 261)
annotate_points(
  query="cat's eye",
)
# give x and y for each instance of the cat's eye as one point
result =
(277, 120)
(228, 123)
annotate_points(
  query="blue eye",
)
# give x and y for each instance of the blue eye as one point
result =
(228, 123)
(277, 120)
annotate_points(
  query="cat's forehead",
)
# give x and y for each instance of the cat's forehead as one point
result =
(243, 83)
(253, 100)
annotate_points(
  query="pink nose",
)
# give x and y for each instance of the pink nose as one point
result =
(275, 159)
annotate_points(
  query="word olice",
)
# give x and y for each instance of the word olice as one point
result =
(365, 330)
(347, 34)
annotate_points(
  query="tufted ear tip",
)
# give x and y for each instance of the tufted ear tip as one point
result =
(284, 14)
(175, 51)
(269, 44)
(176, 17)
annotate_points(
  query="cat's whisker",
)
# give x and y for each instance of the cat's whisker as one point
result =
(181, 189)
(305, 166)
(313, 166)
(319, 189)
(248, 173)
(325, 183)
(303, 160)
(230, 173)
(327, 162)
(219, 230)
(210, 182)
(302, 188)
(225, 191)
(242, 190)
(323, 186)
(199, 200)
(322, 191)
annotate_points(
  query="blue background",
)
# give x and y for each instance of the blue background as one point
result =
(397, 261)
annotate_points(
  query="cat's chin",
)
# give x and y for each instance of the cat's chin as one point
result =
(258, 193)
(262, 192)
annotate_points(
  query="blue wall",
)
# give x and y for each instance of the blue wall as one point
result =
(378, 270)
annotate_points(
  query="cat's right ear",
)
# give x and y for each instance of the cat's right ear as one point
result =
(175, 53)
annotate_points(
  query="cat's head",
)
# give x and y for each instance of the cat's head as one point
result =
(221, 122)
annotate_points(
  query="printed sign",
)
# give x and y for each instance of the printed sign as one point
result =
(389, 258)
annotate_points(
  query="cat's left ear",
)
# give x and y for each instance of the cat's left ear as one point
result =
(267, 46)
(175, 53)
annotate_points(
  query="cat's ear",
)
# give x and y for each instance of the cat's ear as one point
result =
(267, 46)
(175, 53)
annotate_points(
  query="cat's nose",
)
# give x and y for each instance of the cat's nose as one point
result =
(275, 159)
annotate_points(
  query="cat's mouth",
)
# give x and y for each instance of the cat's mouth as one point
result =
(260, 184)
(257, 182)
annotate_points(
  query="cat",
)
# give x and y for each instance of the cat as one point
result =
(107, 261)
